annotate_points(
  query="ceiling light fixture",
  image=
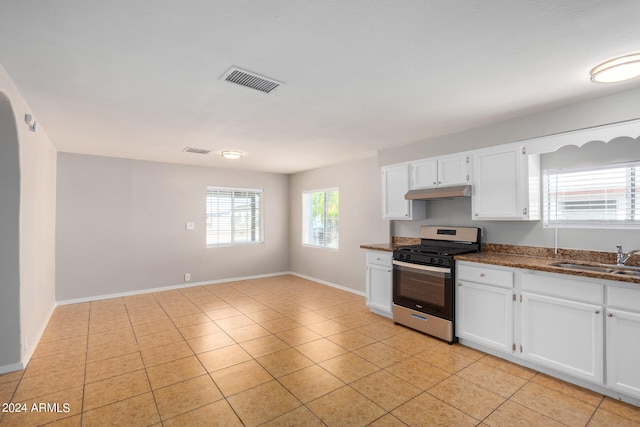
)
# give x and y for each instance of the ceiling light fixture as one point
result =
(231, 154)
(617, 69)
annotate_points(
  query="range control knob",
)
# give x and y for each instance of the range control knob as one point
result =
(408, 257)
(440, 261)
(432, 260)
(400, 256)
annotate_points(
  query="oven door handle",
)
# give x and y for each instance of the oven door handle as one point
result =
(422, 267)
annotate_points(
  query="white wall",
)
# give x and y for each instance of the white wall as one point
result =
(360, 194)
(26, 304)
(599, 111)
(121, 226)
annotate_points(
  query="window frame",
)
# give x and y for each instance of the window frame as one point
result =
(257, 220)
(630, 196)
(306, 221)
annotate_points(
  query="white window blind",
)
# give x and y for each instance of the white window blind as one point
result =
(320, 223)
(234, 216)
(596, 197)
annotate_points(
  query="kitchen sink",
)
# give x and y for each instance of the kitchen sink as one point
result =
(588, 267)
(600, 268)
(626, 272)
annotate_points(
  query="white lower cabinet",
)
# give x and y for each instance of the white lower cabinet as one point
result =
(623, 343)
(562, 325)
(484, 306)
(379, 282)
(579, 328)
(563, 335)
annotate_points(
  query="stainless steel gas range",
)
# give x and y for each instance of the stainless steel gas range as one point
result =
(424, 277)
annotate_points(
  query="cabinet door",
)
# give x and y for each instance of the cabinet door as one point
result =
(496, 190)
(395, 184)
(424, 174)
(623, 352)
(453, 170)
(485, 315)
(563, 335)
(379, 292)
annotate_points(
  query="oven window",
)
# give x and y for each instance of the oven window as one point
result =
(422, 286)
(426, 291)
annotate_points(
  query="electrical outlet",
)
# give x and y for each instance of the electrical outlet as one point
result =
(187, 277)
(190, 225)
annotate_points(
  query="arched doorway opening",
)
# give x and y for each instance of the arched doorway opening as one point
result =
(10, 353)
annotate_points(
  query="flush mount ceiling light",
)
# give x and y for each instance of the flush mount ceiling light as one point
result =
(617, 69)
(231, 154)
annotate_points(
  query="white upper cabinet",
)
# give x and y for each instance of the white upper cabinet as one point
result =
(443, 171)
(506, 184)
(454, 170)
(424, 173)
(395, 184)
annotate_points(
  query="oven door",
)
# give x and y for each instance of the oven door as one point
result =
(423, 288)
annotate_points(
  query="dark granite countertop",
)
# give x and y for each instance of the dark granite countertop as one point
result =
(541, 259)
(530, 258)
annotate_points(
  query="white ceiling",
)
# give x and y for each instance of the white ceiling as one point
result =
(141, 79)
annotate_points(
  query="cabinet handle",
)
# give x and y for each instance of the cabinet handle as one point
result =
(439, 182)
(435, 183)
(609, 315)
(481, 274)
(597, 312)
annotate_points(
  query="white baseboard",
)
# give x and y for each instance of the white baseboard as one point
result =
(324, 282)
(13, 367)
(207, 282)
(166, 288)
(28, 354)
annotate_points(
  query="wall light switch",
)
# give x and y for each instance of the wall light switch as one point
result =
(191, 225)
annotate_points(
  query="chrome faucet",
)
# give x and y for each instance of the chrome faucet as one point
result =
(622, 257)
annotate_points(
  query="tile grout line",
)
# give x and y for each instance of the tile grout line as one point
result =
(153, 395)
(241, 296)
(86, 361)
(597, 408)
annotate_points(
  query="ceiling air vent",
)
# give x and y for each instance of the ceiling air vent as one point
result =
(251, 80)
(196, 150)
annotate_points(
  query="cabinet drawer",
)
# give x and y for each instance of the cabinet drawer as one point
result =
(624, 298)
(489, 276)
(561, 287)
(379, 258)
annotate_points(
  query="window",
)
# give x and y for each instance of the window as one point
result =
(596, 197)
(234, 216)
(320, 218)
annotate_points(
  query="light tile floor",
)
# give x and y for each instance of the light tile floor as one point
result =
(276, 351)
